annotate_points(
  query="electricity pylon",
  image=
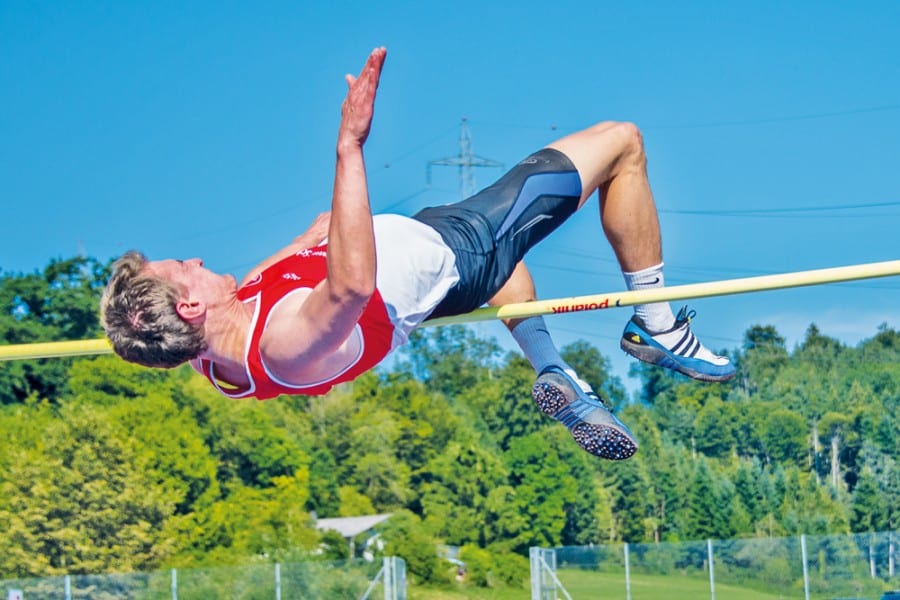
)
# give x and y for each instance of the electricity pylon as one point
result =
(466, 161)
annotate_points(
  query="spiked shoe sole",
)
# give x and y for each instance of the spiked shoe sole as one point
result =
(602, 440)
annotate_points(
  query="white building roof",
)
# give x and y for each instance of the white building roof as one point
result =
(350, 527)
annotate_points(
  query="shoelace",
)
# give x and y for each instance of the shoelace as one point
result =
(685, 315)
(602, 402)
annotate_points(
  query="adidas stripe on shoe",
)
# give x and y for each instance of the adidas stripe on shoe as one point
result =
(677, 349)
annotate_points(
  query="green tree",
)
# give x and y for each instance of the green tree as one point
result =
(809, 507)
(544, 487)
(59, 303)
(583, 512)
(405, 535)
(595, 369)
(77, 499)
(764, 355)
(353, 503)
(865, 504)
(782, 435)
(455, 493)
(251, 522)
(750, 484)
(27, 490)
(449, 359)
(820, 350)
(375, 470)
(323, 484)
(503, 403)
(170, 449)
(108, 381)
(248, 446)
(703, 515)
(656, 382)
(714, 427)
(634, 501)
(832, 429)
(425, 422)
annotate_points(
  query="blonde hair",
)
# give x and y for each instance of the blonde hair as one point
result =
(138, 314)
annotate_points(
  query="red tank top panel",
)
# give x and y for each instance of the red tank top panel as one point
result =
(298, 271)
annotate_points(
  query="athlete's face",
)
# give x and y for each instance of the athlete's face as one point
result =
(193, 279)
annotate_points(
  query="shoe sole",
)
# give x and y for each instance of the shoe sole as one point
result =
(604, 441)
(655, 356)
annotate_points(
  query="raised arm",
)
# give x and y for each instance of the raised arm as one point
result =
(351, 241)
(324, 319)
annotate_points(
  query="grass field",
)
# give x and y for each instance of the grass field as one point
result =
(583, 585)
(590, 585)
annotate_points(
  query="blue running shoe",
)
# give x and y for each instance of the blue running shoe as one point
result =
(677, 349)
(588, 419)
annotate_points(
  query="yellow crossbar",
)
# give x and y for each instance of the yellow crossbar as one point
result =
(678, 292)
(55, 349)
(548, 307)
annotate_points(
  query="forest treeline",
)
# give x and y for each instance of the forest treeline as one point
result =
(109, 467)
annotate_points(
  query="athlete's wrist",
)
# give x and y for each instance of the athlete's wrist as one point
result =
(348, 145)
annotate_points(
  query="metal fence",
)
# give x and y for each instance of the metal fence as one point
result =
(351, 580)
(859, 566)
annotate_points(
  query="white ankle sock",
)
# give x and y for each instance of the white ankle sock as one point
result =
(535, 341)
(657, 316)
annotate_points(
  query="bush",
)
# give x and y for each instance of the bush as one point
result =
(478, 565)
(487, 569)
(511, 569)
(405, 536)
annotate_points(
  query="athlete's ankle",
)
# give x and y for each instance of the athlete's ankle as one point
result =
(657, 316)
(534, 339)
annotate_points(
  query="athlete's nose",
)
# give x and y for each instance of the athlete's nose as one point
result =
(195, 262)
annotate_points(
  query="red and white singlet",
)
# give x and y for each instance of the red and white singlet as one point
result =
(412, 277)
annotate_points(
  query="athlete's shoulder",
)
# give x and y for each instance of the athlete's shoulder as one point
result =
(284, 262)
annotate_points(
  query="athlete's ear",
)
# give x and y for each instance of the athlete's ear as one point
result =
(192, 311)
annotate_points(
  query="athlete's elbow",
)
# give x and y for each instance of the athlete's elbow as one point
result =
(361, 291)
(353, 289)
(352, 278)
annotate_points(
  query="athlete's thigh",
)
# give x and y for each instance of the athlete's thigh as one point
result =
(543, 186)
(597, 151)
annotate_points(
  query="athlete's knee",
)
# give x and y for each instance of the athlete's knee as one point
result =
(632, 142)
(625, 137)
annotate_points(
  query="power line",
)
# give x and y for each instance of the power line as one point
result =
(726, 123)
(418, 147)
(782, 119)
(777, 211)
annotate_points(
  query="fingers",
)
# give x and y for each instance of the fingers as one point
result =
(358, 106)
(371, 72)
(376, 58)
(376, 62)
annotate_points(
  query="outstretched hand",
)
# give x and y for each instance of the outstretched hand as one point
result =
(318, 230)
(359, 105)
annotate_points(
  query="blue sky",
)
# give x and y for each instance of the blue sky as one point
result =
(208, 129)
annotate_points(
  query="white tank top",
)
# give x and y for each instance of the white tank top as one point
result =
(415, 270)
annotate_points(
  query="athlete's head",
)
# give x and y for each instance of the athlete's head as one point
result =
(138, 312)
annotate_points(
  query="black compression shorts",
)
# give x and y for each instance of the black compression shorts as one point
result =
(491, 231)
